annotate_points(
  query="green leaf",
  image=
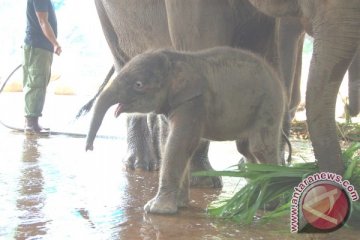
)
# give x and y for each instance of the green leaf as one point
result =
(270, 183)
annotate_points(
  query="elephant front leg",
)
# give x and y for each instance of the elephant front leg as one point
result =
(320, 111)
(184, 137)
(171, 197)
(325, 76)
(199, 160)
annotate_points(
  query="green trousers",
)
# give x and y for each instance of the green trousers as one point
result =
(36, 77)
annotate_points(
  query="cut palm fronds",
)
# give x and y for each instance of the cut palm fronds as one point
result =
(270, 184)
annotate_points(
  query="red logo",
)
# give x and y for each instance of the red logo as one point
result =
(326, 207)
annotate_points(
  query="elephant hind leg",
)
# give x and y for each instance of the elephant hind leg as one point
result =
(244, 149)
(296, 86)
(264, 145)
(285, 133)
(200, 162)
(354, 85)
(290, 44)
(261, 147)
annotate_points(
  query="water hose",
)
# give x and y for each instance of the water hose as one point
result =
(1, 89)
(86, 108)
(10, 75)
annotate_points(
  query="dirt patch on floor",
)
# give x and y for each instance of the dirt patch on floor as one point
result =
(347, 132)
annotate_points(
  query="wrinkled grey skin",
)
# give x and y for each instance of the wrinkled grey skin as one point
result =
(335, 26)
(218, 94)
(291, 38)
(132, 27)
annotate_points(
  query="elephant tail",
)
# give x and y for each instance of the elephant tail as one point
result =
(87, 107)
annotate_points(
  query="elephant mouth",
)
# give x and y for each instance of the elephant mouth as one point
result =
(119, 110)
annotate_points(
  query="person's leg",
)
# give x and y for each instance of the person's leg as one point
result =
(37, 72)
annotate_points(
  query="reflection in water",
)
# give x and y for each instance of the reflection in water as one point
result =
(31, 197)
(50, 188)
(85, 214)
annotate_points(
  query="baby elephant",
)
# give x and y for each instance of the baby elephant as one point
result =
(217, 94)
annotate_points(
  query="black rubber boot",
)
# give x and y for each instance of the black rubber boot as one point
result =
(32, 126)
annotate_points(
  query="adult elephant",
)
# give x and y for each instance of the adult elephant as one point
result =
(132, 27)
(201, 24)
(291, 38)
(335, 26)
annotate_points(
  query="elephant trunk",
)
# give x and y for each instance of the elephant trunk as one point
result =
(105, 101)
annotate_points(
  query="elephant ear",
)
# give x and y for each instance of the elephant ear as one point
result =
(187, 83)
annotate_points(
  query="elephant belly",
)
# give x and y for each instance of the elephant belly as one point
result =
(220, 135)
(227, 128)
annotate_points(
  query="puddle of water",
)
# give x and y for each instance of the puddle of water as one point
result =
(50, 188)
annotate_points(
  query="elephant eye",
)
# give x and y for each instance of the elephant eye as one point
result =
(139, 85)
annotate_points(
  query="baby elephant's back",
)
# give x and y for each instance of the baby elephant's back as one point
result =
(235, 75)
(241, 85)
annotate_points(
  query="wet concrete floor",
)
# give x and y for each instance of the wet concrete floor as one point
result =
(50, 188)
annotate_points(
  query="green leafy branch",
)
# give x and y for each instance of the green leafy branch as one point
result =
(269, 185)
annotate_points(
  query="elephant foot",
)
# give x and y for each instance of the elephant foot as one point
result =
(206, 182)
(146, 163)
(163, 203)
